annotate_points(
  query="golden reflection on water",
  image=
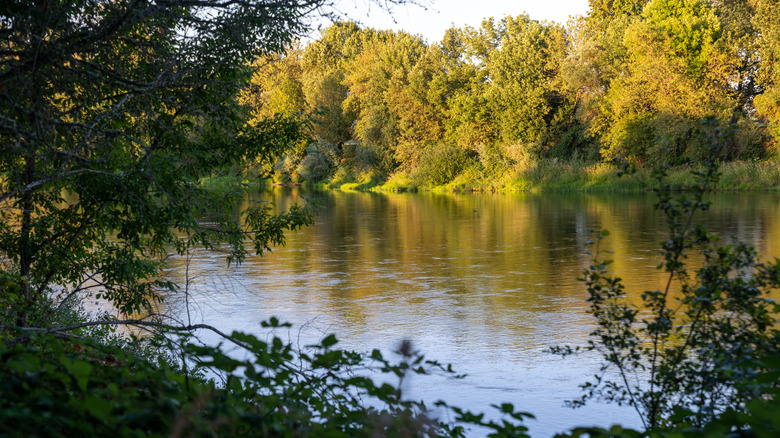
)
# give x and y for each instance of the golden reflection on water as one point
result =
(485, 281)
(494, 244)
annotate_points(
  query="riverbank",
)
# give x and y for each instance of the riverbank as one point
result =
(563, 176)
(543, 175)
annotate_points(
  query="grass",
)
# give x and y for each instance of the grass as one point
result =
(397, 182)
(580, 176)
(232, 182)
(545, 175)
(740, 175)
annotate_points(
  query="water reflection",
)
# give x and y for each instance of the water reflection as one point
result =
(485, 282)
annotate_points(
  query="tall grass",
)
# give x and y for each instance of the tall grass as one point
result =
(741, 175)
(494, 174)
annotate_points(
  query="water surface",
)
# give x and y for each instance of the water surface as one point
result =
(486, 282)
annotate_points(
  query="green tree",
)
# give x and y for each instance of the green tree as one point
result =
(523, 83)
(653, 112)
(275, 87)
(110, 112)
(470, 116)
(420, 123)
(275, 90)
(603, 12)
(393, 115)
(765, 19)
(736, 57)
(324, 62)
(595, 60)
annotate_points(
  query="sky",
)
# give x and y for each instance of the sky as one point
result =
(442, 14)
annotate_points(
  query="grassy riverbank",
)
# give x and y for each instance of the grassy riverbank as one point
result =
(539, 176)
(573, 176)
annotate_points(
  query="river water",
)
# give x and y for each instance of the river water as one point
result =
(486, 282)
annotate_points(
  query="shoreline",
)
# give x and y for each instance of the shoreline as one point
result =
(543, 176)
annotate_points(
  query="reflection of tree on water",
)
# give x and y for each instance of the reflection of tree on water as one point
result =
(476, 258)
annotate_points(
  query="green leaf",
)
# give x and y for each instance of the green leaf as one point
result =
(80, 370)
(329, 341)
(98, 407)
(25, 363)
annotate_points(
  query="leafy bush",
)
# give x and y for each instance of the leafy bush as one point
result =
(56, 387)
(670, 139)
(315, 167)
(684, 357)
(439, 165)
(574, 143)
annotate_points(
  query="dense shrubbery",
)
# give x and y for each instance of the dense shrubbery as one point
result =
(318, 164)
(439, 165)
(64, 381)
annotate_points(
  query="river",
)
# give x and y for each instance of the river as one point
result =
(486, 282)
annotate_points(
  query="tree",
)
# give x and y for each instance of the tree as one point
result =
(653, 112)
(388, 108)
(110, 112)
(325, 63)
(603, 12)
(275, 87)
(408, 96)
(275, 90)
(736, 55)
(767, 101)
(526, 87)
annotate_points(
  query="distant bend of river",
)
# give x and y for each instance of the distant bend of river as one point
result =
(486, 282)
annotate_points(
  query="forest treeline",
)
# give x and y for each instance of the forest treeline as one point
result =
(646, 82)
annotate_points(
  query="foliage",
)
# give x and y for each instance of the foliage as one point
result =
(110, 115)
(665, 95)
(632, 79)
(689, 353)
(604, 12)
(758, 417)
(275, 92)
(439, 165)
(318, 164)
(639, 80)
(523, 67)
(647, 78)
(112, 112)
(59, 388)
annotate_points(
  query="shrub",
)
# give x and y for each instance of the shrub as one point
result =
(439, 165)
(315, 167)
(67, 385)
(684, 357)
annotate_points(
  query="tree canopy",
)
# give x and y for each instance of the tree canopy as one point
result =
(110, 114)
(637, 80)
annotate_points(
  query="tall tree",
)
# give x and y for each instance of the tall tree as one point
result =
(653, 112)
(275, 90)
(767, 22)
(379, 80)
(325, 63)
(469, 123)
(603, 12)
(276, 86)
(519, 92)
(109, 113)
(526, 85)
